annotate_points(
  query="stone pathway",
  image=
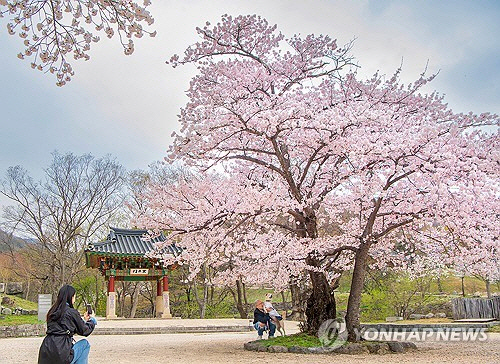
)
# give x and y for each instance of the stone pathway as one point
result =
(228, 348)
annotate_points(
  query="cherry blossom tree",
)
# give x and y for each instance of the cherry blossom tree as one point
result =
(481, 261)
(223, 223)
(54, 30)
(266, 90)
(309, 146)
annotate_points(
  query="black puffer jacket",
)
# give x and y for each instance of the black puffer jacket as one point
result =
(57, 346)
(260, 316)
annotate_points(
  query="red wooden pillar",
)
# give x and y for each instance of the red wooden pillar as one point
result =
(166, 298)
(159, 287)
(159, 298)
(165, 283)
(111, 284)
(111, 301)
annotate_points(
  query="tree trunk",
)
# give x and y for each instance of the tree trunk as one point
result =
(212, 291)
(188, 292)
(244, 288)
(52, 277)
(26, 297)
(149, 295)
(297, 296)
(239, 299)
(354, 301)
(121, 295)
(320, 304)
(97, 290)
(202, 303)
(440, 287)
(63, 270)
(463, 287)
(488, 289)
(135, 299)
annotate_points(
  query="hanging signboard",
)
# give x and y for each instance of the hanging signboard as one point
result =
(139, 271)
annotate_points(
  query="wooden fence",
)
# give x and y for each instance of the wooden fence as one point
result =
(468, 308)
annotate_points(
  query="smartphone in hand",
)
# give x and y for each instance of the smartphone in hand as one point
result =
(89, 309)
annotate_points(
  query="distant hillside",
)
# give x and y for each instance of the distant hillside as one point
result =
(8, 241)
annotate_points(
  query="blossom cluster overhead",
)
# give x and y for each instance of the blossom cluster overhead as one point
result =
(319, 163)
(54, 31)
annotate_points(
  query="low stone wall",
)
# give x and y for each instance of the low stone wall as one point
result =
(23, 330)
(39, 330)
(365, 347)
(170, 330)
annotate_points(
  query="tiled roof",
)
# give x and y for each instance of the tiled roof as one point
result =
(132, 242)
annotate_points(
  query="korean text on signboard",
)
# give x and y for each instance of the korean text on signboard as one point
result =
(139, 271)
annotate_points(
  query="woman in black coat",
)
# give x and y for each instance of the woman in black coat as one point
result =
(63, 321)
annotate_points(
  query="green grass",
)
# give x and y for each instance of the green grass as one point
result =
(454, 284)
(13, 320)
(21, 302)
(495, 328)
(301, 339)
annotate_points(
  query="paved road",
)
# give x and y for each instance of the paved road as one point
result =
(228, 348)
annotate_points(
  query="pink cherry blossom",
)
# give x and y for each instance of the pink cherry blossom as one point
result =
(55, 36)
(322, 171)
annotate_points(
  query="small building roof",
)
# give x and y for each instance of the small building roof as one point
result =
(131, 242)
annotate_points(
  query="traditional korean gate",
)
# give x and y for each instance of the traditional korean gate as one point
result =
(122, 257)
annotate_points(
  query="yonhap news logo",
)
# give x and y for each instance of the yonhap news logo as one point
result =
(333, 333)
(423, 334)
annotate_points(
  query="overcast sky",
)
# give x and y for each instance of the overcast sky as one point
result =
(127, 106)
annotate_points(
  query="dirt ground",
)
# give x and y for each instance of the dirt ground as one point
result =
(228, 348)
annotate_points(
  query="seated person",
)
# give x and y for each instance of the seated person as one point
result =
(262, 321)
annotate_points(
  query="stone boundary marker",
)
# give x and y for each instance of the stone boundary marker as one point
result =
(349, 348)
(44, 303)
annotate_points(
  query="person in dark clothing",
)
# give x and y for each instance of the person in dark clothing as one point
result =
(261, 320)
(63, 321)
